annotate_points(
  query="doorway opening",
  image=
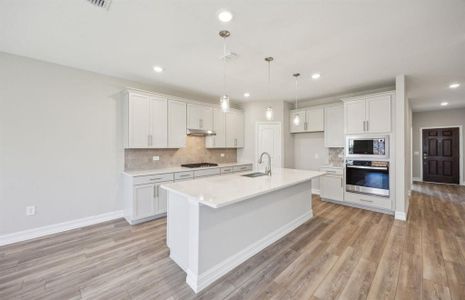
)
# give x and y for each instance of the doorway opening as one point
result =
(441, 154)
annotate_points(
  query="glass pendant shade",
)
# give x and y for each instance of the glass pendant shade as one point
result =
(269, 113)
(224, 102)
(296, 120)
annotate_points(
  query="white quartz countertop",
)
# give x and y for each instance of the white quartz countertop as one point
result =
(219, 191)
(179, 169)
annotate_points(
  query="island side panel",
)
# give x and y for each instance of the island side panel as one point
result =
(230, 235)
(177, 231)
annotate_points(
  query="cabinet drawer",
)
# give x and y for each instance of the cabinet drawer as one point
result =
(207, 172)
(183, 175)
(332, 170)
(242, 168)
(153, 178)
(227, 170)
(368, 200)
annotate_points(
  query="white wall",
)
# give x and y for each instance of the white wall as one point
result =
(448, 117)
(402, 147)
(60, 143)
(310, 153)
(255, 112)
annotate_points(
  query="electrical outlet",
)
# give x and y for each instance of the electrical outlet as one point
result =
(222, 154)
(156, 157)
(30, 210)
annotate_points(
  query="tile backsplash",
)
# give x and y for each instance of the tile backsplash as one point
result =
(195, 151)
(336, 156)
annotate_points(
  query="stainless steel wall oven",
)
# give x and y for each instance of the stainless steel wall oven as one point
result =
(367, 177)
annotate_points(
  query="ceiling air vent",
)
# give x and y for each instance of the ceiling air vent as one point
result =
(101, 3)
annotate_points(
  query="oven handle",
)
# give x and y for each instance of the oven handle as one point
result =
(366, 167)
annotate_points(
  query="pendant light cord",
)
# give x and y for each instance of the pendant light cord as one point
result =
(296, 76)
(269, 80)
(224, 66)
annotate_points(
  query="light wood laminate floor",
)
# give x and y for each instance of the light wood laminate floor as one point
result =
(343, 253)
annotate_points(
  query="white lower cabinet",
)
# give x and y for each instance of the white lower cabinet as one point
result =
(332, 184)
(383, 203)
(144, 199)
(332, 187)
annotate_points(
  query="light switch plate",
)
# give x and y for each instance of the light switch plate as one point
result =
(155, 157)
(222, 154)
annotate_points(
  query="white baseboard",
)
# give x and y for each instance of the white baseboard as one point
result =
(56, 228)
(198, 283)
(417, 179)
(315, 191)
(400, 215)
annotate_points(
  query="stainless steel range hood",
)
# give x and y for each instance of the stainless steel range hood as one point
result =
(200, 132)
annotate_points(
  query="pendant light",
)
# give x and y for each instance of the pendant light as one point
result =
(269, 109)
(297, 116)
(224, 100)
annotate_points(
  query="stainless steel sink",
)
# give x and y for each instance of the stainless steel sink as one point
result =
(254, 174)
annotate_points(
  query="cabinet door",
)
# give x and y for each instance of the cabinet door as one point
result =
(354, 116)
(144, 204)
(219, 126)
(160, 199)
(138, 121)
(315, 120)
(159, 123)
(240, 130)
(176, 124)
(331, 187)
(378, 114)
(234, 129)
(334, 126)
(301, 126)
(199, 117)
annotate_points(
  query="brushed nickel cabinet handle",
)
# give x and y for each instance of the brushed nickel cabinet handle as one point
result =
(364, 200)
(368, 127)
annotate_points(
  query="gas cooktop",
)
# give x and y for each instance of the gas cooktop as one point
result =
(199, 165)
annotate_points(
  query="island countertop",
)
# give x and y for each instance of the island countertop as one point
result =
(220, 191)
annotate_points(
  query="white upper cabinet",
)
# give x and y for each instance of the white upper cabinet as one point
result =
(219, 126)
(315, 120)
(158, 122)
(311, 120)
(145, 121)
(234, 129)
(176, 124)
(355, 116)
(334, 126)
(368, 114)
(379, 113)
(199, 117)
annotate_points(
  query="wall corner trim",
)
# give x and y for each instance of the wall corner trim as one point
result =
(33, 233)
(400, 215)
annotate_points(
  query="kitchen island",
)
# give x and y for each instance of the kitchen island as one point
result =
(216, 223)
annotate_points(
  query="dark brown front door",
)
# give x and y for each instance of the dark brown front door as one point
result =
(441, 155)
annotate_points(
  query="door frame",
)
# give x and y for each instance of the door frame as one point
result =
(257, 125)
(461, 153)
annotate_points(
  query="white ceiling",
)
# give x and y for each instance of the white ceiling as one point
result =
(355, 45)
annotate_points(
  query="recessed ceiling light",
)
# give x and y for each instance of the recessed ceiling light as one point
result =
(454, 85)
(158, 69)
(444, 103)
(225, 16)
(316, 75)
(247, 95)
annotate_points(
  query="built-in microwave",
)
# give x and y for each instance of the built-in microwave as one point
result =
(367, 147)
